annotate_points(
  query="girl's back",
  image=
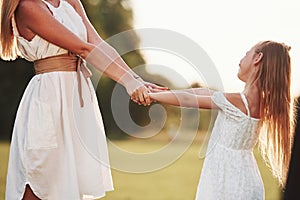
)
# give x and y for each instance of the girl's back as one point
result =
(230, 170)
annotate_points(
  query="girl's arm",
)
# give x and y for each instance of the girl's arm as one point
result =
(200, 91)
(184, 99)
(35, 16)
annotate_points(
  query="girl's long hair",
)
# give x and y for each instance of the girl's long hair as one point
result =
(276, 107)
(8, 50)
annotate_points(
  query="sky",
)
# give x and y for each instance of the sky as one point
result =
(225, 30)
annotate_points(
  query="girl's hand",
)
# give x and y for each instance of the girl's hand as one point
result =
(141, 96)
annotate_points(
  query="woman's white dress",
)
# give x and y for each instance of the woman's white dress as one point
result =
(57, 147)
(230, 170)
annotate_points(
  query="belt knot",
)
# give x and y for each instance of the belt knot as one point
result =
(64, 62)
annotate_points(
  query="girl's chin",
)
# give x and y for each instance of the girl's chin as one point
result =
(239, 77)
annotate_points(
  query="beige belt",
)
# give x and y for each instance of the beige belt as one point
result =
(64, 62)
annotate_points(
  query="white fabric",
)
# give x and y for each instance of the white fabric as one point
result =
(57, 147)
(230, 170)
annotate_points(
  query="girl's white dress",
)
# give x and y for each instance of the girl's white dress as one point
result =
(57, 147)
(230, 170)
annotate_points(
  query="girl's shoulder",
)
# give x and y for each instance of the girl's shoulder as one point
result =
(237, 104)
(236, 100)
(245, 103)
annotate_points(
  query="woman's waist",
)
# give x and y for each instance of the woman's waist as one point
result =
(63, 62)
(55, 78)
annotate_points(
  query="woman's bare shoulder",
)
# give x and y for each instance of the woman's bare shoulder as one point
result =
(30, 8)
(27, 14)
(27, 5)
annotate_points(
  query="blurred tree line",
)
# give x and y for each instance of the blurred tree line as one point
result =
(109, 17)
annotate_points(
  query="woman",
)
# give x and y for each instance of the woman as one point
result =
(58, 148)
(262, 109)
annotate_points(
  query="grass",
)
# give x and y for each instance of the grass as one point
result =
(178, 181)
(4, 152)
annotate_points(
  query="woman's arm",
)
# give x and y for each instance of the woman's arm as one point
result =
(35, 16)
(184, 99)
(94, 38)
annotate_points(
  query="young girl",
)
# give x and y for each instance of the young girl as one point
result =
(58, 148)
(262, 109)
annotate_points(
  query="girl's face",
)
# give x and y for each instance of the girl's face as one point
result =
(247, 64)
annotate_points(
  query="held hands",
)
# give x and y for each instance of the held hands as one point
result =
(140, 95)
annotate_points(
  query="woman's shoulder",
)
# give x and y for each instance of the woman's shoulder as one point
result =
(29, 4)
(26, 14)
(28, 8)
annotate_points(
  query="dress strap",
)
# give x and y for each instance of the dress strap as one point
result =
(50, 6)
(245, 103)
(47, 3)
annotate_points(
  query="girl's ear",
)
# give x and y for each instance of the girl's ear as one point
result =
(258, 58)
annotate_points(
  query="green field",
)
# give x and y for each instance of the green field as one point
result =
(178, 181)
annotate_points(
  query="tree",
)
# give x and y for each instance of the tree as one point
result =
(111, 17)
(14, 76)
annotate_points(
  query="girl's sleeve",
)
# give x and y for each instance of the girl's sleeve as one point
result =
(226, 107)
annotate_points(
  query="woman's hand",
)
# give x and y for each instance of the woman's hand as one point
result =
(141, 96)
(154, 87)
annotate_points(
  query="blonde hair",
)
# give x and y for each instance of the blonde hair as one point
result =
(273, 80)
(8, 46)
